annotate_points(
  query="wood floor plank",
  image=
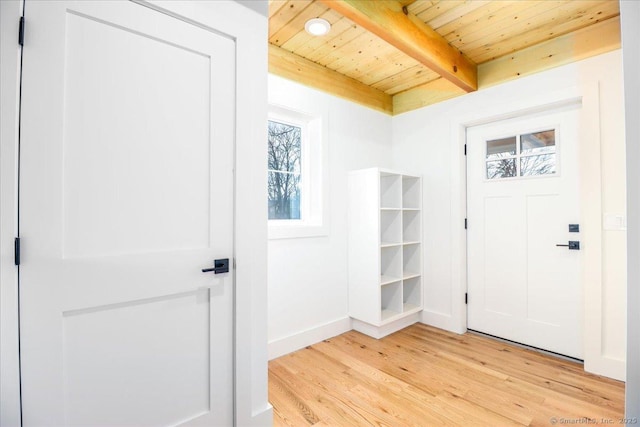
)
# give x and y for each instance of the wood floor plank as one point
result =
(318, 399)
(533, 366)
(288, 408)
(423, 376)
(384, 392)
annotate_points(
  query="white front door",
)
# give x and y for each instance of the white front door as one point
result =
(126, 194)
(522, 196)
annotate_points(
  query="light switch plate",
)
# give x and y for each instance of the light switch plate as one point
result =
(614, 221)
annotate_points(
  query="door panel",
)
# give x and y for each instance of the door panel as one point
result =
(501, 249)
(152, 334)
(522, 286)
(126, 195)
(158, 198)
(547, 266)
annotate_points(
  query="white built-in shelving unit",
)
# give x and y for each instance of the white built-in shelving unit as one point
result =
(385, 250)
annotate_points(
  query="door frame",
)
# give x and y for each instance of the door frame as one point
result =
(249, 29)
(590, 205)
(551, 116)
(9, 343)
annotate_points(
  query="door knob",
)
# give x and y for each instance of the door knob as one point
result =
(573, 245)
(219, 266)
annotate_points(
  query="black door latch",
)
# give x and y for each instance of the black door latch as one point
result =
(219, 266)
(573, 245)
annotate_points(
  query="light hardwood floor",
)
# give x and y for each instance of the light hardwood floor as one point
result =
(423, 376)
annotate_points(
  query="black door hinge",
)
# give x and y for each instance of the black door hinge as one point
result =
(16, 251)
(465, 149)
(21, 32)
(465, 223)
(466, 298)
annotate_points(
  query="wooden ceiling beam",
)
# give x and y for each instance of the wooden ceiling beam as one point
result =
(409, 34)
(293, 67)
(590, 41)
(587, 42)
(427, 94)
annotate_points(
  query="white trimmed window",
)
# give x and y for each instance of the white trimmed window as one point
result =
(295, 164)
(522, 155)
(285, 171)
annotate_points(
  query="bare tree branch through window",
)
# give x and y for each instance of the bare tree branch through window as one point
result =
(284, 169)
(536, 155)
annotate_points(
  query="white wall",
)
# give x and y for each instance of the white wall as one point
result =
(308, 276)
(429, 141)
(630, 19)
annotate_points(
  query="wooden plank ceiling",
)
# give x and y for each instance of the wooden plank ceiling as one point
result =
(399, 55)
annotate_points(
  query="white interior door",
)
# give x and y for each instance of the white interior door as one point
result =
(126, 195)
(522, 195)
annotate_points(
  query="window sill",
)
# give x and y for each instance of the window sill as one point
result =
(295, 231)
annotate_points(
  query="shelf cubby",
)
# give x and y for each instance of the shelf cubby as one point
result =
(390, 264)
(411, 294)
(390, 227)
(391, 303)
(410, 192)
(390, 191)
(410, 260)
(411, 226)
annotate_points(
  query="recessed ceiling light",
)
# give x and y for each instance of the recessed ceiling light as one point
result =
(317, 26)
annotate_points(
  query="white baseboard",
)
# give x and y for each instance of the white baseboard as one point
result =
(289, 344)
(606, 366)
(378, 332)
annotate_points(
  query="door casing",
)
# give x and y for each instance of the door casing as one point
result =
(591, 207)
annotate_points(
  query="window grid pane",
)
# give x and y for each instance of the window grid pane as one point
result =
(504, 168)
(544, 164)
(285, 143)
(538, 142)
(284, 195)
(535, 155)
(501, 148)
(284, 171)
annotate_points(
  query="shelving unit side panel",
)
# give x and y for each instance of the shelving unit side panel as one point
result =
(364, 245)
